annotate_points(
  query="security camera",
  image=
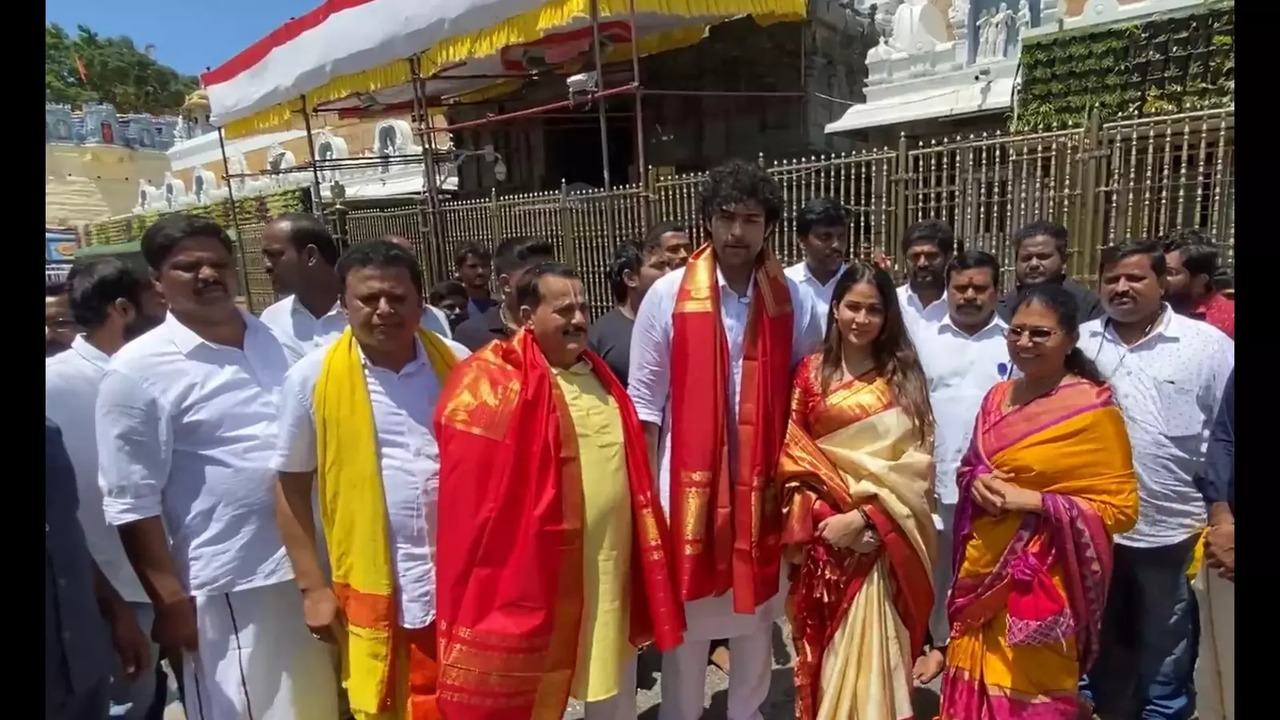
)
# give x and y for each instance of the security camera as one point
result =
(582, 83)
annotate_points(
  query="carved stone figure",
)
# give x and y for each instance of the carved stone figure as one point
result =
(884, 17)
(959, 17)
(1003, 19)
(880, 52)
(986, 34)
(1024, 17)
(918, 26)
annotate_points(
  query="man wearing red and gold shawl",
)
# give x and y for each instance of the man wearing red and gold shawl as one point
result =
(712, 354)
(551, 568)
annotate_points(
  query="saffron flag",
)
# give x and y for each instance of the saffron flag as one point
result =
(84, 76)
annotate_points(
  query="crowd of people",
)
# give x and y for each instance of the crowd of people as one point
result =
(381, 501)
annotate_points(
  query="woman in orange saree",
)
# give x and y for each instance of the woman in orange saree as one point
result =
(856, 476)
(1046, 483)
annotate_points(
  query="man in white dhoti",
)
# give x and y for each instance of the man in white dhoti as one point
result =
(712, 352)
(186, 429)
(1215, 586)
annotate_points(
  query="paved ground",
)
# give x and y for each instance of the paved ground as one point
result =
(779, 706)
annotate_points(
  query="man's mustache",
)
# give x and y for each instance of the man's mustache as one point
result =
(205, 286)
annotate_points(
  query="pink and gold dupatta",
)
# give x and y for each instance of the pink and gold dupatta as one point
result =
(1029, 588)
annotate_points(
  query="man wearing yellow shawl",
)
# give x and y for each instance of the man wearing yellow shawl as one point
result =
(552, 569)
(378, 479)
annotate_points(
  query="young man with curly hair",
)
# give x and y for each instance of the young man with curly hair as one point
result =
(712, 353)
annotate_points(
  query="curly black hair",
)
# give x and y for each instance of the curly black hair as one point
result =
(739, 181)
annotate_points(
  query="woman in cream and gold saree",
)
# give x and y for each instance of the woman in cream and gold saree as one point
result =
(857, 480)
(1046, 483)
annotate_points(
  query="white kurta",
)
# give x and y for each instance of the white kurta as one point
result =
(403, 405)
(185, 430)
(649, 386)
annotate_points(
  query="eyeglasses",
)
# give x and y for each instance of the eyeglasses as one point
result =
(1035, 334)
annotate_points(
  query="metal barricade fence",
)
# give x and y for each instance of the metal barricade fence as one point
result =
(1105, 182)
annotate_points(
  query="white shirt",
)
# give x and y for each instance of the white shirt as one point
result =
(301, 332)
(649, 386)
(915, 314)
(961, 369)
(186, 431)
(403, 407)
(1168, 386)
(819, 294)
(71, 380)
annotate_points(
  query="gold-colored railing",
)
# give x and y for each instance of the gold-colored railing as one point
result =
(1104, 182)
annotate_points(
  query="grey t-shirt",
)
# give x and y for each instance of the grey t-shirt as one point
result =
(610, 338)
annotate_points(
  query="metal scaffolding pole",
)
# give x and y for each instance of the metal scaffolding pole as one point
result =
(604, 123)
(642, 170)
(428, 212)
(318, 206)
(235, 220)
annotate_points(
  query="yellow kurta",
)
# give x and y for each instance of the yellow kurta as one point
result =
(606, 610)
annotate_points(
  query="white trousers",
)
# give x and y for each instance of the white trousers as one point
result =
(684, 677)
(939, 628)
(621, 706)
(257, 660)
(1216, 668)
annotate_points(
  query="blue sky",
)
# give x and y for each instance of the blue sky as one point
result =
(189, 35)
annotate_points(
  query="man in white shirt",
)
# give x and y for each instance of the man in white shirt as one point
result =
(299, 255)
(186, 429)
(928, 246)
(114, 304)
(963, 356)
(688, 352)
(822, 230)
(1168, 373)
(399, 373)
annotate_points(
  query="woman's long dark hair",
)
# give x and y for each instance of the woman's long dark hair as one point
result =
(894, 353)
(1059, 301)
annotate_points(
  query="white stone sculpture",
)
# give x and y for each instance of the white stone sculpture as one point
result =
(204, 184)
(394, 137)
(175, 193)
(235, 167)
(150, 199)
(329, 147)
(880, 52)
(1024, 17)
(918, 27)
(1003, 19)
(959, 17)
(884, 18)
(986, 34)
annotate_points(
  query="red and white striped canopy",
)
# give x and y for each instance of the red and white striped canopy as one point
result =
(348, 53)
